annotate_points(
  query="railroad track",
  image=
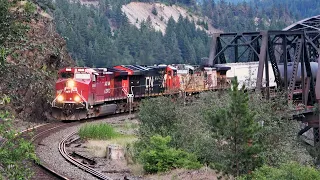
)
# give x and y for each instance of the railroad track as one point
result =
(84, 167)
(42, 171)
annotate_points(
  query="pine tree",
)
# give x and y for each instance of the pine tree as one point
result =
(236, 130)
(172, 49)
(242, 131)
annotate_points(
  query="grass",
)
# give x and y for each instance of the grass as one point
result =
(98, 147)
(100, 131)
(130, 125)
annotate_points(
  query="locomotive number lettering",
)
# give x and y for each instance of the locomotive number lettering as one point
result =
(107, 91)
(107, 83)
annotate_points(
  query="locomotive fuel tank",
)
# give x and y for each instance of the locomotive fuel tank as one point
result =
(314, 70)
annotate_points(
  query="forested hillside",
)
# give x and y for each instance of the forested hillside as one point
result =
(300, 8)
(101, 35)
(240, 15)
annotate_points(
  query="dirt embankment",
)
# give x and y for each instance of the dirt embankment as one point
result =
(138, 12)
(30, 71)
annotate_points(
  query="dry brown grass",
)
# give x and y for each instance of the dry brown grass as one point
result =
(98, 148)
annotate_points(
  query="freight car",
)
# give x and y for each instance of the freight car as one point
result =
(90, 92)
(247, 73)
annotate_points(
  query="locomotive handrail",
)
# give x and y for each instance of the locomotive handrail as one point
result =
(55, 99)
(84, 100)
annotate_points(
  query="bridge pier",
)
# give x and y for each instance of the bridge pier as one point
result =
(311, 121)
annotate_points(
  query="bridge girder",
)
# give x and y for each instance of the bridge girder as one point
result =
(297, 43)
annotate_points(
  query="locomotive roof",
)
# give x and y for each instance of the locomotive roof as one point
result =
(118, 71)
(222, 67)
(77, 69)
(135, 69)
(158, 67)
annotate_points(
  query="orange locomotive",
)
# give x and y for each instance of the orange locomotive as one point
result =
(90, 92)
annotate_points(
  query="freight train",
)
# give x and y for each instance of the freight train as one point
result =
(91, 92)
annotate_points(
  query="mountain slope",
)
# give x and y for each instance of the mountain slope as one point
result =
(138, 12)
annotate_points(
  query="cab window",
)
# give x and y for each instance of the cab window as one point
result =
(66, 75)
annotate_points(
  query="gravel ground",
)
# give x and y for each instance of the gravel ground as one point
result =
(20, 125)
(49, 154)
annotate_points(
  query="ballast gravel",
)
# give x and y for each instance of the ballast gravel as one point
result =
(49, 154)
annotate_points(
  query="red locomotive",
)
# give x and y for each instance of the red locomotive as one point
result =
(90, 92)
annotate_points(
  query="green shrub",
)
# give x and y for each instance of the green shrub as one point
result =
(158, 157)
(97, 131)
(16, 153)
(30, 7)
(285, 171)
(158, 116)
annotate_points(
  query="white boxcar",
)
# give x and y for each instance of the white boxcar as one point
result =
(247, 74)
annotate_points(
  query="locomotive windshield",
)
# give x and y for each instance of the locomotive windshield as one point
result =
(66, 75)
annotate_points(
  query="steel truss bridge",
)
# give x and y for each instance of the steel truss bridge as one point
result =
(297, 45)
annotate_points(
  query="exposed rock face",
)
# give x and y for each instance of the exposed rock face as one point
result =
(29, 75)
(139, 11)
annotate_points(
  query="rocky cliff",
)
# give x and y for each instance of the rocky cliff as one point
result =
(31, 66)
(160, 13)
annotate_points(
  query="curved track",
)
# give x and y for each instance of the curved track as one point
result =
(64, 153)
(42, 171)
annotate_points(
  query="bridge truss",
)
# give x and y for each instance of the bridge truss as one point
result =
(298, 44)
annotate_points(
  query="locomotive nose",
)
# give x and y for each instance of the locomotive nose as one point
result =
(70, 83)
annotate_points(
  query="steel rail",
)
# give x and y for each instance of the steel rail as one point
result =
(46, 168)
(36, 136)
(64, 153)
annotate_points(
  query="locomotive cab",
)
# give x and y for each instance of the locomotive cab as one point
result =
(72, 91)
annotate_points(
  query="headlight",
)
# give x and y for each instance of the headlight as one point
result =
(77, 99)
(70, 83)
(60, 98)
